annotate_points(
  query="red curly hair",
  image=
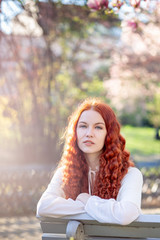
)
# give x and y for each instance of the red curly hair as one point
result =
(114, 160)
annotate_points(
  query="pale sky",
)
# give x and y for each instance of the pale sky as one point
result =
(9, 9)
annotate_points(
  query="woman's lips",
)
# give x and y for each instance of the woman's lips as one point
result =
(88, 142)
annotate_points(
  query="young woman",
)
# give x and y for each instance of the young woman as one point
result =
(95, 175)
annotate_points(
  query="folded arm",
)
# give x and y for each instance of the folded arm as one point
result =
(126, 208)
(53, 202)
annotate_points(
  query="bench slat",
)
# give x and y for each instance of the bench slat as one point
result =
(48, 227)
(142, 220)
(121, 231)
(48, 236)
(115, 238)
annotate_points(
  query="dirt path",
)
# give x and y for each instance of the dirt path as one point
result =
(20, 228)
(28, 228)
(151, 211)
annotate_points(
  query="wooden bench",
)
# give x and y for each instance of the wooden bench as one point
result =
(80, 227)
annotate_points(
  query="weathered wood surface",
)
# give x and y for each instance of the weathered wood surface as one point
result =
(84, 227)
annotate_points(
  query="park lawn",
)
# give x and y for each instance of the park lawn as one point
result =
(140, 140)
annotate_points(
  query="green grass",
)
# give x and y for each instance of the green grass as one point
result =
(140, 140)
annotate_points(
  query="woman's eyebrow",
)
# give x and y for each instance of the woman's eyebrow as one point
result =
(82, 122)
(94, 123)
(100, 123)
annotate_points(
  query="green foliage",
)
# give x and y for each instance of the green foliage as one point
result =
(154, 110)
(135, 118)
(140, 140)
(8, 118)
(152, 171)
(93, 89)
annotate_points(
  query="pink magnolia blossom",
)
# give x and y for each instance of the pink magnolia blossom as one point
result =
(135, 3)
(97, 4)
(133, 24)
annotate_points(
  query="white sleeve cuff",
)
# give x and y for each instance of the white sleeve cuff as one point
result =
(112, 211)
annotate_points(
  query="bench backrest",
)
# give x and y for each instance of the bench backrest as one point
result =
(83, 226)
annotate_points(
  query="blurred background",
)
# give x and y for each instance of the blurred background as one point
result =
(54, 54)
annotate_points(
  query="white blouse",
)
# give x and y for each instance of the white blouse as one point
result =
(125, 209)
(91, 179)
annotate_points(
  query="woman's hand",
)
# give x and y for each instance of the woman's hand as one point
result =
(83, 197)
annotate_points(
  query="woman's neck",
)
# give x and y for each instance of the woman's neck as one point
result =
(92, 160)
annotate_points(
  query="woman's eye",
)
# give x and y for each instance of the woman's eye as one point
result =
(98, 127)
(82, 126)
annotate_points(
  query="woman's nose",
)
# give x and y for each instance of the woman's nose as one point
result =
(89, 132)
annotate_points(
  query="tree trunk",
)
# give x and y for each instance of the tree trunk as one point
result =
(157, 136)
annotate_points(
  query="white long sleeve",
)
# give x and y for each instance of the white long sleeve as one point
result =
(123, 210)
(126, 208)
(53, 202)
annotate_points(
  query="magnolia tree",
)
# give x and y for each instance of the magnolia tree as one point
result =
(100, 5)
(134, 11)
(130, 9)
(113, 4)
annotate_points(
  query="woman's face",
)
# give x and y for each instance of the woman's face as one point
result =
(91, 132)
